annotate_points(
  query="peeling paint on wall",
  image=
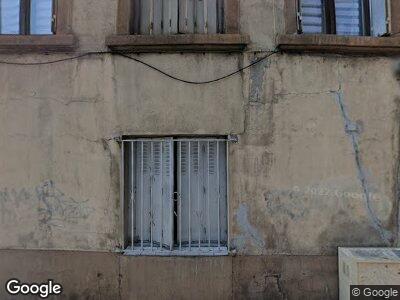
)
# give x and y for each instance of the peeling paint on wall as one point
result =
(249, 232)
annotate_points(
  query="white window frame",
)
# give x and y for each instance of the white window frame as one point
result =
(176, 248)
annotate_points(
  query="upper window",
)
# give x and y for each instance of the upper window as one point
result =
(178, 16)
(343, 17)
(175, 196)
(26, 17)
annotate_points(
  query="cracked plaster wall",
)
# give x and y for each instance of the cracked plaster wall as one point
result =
(295, 181)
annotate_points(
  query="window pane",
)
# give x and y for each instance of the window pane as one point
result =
(9, 16)
(348, 17)
(312, 19)
(378, 17)
(41, 16)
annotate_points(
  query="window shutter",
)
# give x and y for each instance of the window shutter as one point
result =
(311, 16)
(154, 188)
(378, 12)
(348, 17)
(203, 193)
(41, 15)
(9, 16)
(170, 17)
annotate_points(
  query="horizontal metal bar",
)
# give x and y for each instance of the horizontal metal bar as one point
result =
(203, 251)
(179, 140)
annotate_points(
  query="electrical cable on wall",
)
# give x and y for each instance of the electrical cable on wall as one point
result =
(269, 54)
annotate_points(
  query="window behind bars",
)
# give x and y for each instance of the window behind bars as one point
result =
(175, 194)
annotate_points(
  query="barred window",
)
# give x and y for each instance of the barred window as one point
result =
(26, 16)
(175, 196)
(343, 17)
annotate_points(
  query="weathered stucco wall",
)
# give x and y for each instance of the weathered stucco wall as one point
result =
(315, 166)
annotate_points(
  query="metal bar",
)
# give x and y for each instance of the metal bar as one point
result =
(205, 16)
(179, 195)
(171, 199)
(186, 15)
(122, 187)
(178, 140)
(198, 189)
(151, 194)
(227, 194)
(162, 194)
(190, 210)
(151, 23)
(208, 195)
(219, 230)
(141, 199)
(132, 191)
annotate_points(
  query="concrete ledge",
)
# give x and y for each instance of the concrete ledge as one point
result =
(325, 43)
(178, 43)
(102, 275)
(36, 43)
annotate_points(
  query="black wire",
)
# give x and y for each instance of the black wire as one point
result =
(143, 63)
(199, 82)
(53, 61)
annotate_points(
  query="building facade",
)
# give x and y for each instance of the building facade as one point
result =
(304, 139)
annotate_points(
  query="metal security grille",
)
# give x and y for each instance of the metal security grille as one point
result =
(175, 196)
(157, 17)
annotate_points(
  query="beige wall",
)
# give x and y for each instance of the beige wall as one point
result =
(295, 175)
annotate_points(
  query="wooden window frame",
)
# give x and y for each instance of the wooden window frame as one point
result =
(291, 41)
(62, 39)
(229, 41)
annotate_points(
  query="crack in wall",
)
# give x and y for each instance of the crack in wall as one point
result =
(353, 131)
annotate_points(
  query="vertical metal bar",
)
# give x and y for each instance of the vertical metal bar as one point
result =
(218, 183)
(122, 187)
(132, 195)
(190, 210)
(162, 194)
(195, 23)
(141, 197)
(186, 15)
(151, 194)
(208, 195)
(180, 195)
(198, 189)
(169, 17)
(171, 195)
(151, 23)
(227, 194)
(205, 16)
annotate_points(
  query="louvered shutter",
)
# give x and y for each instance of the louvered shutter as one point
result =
(200, 16)
(312, 18)
(41, 16)
(9, 16)
(154, 188)
(348, 17)
(203, 216)
(158, 17)
(378, 12)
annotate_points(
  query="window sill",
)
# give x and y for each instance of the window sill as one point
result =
(178, 43)
(325, 43)
(195, 251)
(36, 43)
